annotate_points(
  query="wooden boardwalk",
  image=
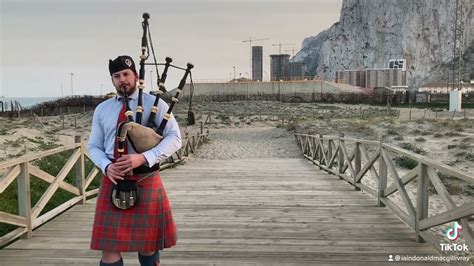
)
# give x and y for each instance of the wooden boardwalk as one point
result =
(245, 212)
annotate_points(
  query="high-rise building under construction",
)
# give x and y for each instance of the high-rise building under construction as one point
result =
(279, 66)
(257, 63)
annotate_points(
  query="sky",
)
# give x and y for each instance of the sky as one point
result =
(44, 41)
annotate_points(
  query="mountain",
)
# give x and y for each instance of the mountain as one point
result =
(370, 32)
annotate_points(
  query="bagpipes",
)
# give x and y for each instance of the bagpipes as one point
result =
(144, 137)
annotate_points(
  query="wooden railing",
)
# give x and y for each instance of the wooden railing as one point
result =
(376, 159)
(21, 169)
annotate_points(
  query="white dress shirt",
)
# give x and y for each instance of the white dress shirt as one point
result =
(104, 125)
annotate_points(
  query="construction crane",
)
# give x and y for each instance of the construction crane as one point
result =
(250, 40)
(458, 45)
(281, 44)
(292, 52)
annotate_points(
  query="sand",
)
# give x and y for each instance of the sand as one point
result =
(249, 130)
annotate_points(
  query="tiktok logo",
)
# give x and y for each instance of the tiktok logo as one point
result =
(453, 232)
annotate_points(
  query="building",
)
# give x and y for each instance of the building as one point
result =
(279, 66)
(385, 77)
(257, 63)
(393, 76)
(397, 64)
(443, 87)
(296, 71)
(352, 77)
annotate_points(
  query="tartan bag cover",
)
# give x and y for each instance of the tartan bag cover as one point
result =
(148, 226)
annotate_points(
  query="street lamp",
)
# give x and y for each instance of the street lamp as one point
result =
(151, 81)
(72, 88)
(234, 73)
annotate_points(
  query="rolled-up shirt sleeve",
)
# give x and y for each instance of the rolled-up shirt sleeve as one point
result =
(95, 145)
(171, 141)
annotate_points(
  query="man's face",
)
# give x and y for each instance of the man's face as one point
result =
(124, 80)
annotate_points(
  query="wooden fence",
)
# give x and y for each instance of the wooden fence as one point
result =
(30, 217)
(331, 154)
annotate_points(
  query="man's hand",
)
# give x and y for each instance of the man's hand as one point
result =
(113, 173)
(126, 163)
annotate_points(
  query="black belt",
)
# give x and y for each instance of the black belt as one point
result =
(143, 169)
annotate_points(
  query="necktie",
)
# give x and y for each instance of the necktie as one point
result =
(121, 118)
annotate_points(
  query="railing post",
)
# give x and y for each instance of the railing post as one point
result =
(382, 184)
(202, 129)
(80, 170)
(341, 155)
(422, 200)
(357, 158)
(24, 198)
(320, 155)
(186, 148)
(330, 142)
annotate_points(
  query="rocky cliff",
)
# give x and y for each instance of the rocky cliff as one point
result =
(370, 32)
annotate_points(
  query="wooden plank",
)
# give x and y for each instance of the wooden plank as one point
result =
(9, 177)
(12, 219)
(56, 211)
(12, 236)
(358, 160)
(362, 141)
(432, 163)
(92, 192)
(368, 165)
(323, 152)
(398, 182)
(407, 178)
(79, 169)
(91, 176)
(55, 184)
(446, 198)
(440, 188)
(336, 151)
(24, 197)
(238, 212)
(453, 214)
(422, 199)
(399, 212)
(365, 155)
(36, 156)
(35, 171)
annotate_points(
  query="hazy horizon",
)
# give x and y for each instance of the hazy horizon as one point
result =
(42, 42)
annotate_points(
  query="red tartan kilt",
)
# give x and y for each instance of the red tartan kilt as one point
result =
(148, 226)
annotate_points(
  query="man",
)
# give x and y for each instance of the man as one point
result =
(148, 226)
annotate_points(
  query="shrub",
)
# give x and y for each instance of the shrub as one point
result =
(453, 134)
(392, 131)
(406, 162)
(413, 148)
(398, 137)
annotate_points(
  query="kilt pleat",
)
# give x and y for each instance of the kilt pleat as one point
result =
(148, 226)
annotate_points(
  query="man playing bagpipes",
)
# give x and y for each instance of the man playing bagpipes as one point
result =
(133, 212)
(145, 224)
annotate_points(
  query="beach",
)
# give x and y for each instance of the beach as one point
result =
(247, 130)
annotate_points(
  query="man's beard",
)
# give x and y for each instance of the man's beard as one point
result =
(123, 88)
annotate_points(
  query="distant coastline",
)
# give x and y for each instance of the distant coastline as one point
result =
(26, 101)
